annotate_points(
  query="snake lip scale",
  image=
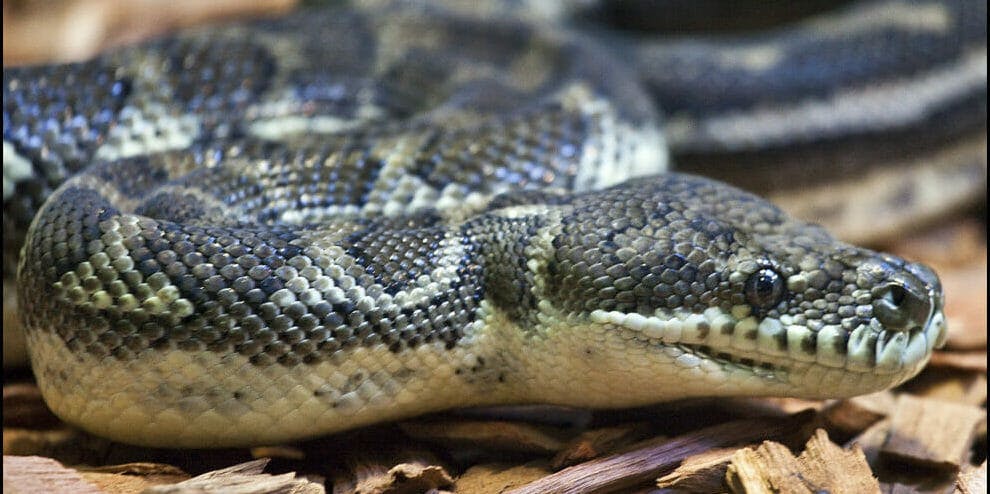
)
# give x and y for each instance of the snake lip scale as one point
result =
(277, 230)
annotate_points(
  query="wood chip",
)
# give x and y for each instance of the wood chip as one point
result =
(655, 458)
(948, 245)
(245, 478)
(283, 451)
(14, 343)
(496, 435)
(141, 468)
(744, 407)
(388, 468)
(83, 28)
(405, 478)
(24, 408)
(132, 477)
(871, 440)
(28, 442)
(851, 416)
(966, 387)
(32, 474)
(128, 480)
(972, 360)
(701, 473)
(973, 480)
(594, 443)
(931, 433)
(557, 416)
(500, 477)
(821, 467)
(123, 482)
(966, 305)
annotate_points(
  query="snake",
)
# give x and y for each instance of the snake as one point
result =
(271, 230)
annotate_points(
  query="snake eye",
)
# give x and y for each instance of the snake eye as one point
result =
(764, 289)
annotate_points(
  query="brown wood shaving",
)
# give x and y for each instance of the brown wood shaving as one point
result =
(500, 477)
(32, 474)
(654, 458)
(931, 433)
(14, 341)
(966, 305)
(496, 435)
(404, 478)
(821, 467)
(132, 477)
(971, 360)
(700, 474)
(851, 416)
(23, 407)
(85, 28)
(245, 478)
(953, 385)
(973, 480)
(597, 442)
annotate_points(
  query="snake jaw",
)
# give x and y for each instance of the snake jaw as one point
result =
(773, 349)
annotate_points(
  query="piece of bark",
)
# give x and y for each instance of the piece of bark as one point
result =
(871, 440)
(947, 245)
(770, 407)
(969, 360)
(404, 478)
(283, 452)
(23, 407)
(371, 469)
(77, 30)
(597, 442)
(245, 478)
(500, 477)
(972, 480)
(31, 474)
(930, 433)
(821, 467)
(851, 416)
(50, 443)
(701, 473)
(495, 435)
(654, 458)
(896, 478)
(552, 415)
(965, 291)
(14, 343)
(132, 477)
(953, 385)
(143, 469)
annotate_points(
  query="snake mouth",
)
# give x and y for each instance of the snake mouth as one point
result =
(777, 346)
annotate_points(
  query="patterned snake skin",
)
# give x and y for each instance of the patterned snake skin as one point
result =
(270, 231)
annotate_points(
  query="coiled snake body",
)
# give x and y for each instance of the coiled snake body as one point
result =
(294, 227)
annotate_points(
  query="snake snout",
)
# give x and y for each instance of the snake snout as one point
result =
(908, 299)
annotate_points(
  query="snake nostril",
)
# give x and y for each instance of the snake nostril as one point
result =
(896, 295)
(900, 309)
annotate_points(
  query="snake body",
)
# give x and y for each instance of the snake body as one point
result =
(275, 230)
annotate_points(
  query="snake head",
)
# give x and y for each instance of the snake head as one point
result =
(681, 286)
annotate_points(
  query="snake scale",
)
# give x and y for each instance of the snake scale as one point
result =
(268, 231)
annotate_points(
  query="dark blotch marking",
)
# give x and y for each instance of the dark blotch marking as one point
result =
(703, 329)
(809, 343)
(729, 328)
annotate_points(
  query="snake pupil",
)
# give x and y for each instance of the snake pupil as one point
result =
(764, 289)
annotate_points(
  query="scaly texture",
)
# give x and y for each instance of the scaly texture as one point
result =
(338, 218)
